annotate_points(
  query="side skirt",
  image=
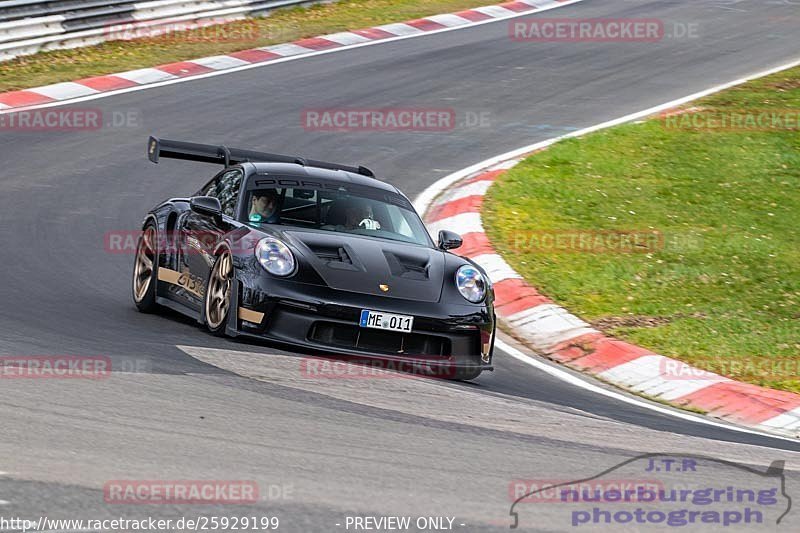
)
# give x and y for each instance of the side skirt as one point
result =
(175, 306)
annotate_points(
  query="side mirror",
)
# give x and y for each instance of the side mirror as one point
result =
(449, 240)
(206, 205)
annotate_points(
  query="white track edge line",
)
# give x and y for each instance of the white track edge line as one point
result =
(276, 61)
(582, 383)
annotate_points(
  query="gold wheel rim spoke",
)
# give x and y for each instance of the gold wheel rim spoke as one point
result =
(225, 267)
(143, 270)
(147, 241)
(219, 288)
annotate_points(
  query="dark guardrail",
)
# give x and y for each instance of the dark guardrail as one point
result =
(27, 27)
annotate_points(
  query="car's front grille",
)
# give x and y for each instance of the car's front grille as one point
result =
(378, 341)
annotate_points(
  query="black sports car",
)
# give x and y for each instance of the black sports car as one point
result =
(316, 255)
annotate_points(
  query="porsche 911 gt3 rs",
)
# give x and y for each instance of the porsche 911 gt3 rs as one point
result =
(316, 255)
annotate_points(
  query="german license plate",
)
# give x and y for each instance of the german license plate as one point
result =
(380, 320)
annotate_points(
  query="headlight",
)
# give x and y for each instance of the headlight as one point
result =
(275, 257)
(471, 283)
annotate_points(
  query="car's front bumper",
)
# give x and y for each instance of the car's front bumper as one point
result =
(322, 319)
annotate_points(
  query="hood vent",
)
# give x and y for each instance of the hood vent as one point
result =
(361, 264)
(334, 256)
(409, 267)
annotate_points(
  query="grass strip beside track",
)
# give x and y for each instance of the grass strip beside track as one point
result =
(284, 25)
(678, 233)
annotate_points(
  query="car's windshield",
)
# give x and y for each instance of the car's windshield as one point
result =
(368, 212)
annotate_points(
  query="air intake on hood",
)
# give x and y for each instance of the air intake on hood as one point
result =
(408, 267)
(334, 256)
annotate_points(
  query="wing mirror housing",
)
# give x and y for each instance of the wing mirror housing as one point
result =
(206, 205)
(449, 240)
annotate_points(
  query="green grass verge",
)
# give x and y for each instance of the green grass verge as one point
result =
(281, 26)
(722, 290)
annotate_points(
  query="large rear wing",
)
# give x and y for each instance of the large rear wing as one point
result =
(222, 155)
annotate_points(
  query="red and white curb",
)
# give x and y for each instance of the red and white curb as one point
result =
(551, 330)
(161, 75)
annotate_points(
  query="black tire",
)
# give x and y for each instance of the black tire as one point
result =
(145, 270)
(217, 300)
(467, 372)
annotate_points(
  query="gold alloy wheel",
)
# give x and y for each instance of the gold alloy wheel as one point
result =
(143, 267)
(218, 299)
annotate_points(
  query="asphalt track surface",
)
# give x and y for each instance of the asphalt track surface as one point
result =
(335, 447)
